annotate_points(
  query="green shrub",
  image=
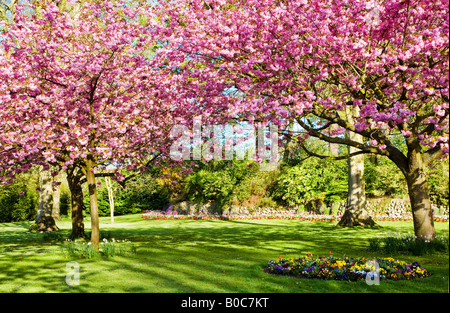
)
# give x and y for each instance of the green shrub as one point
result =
(438, 182)
(205, 185)
(374, 244)
(141, 193)
(312, 183)
(383, 178)
(267, 202)
(394, 244)
(64, 203)
(19, 200)
(257, 185)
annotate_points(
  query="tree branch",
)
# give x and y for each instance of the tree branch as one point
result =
(335, 158)
(123, 182)
(56, 83)
(432, 154)
(344, 141)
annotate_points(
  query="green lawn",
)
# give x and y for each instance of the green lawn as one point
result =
(186, 256)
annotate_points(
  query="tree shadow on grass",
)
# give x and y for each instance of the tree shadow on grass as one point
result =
(201, 256)
(256, 234)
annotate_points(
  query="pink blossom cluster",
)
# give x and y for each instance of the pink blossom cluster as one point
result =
(287, 59)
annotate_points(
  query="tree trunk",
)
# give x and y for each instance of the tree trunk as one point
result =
(355, 212)
(77, 205)
(92, 185)
(44, 220)
(419, 196)
(110, 197)
(56, 200)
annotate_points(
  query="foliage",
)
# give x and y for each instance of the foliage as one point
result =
(383, 178)
(143, 192)
(80, 250)
(399, 243)
(64, 203)
(348, 268)
(19, 200)
(438, 181)
(219, 181)
(312, 182)
(207, 185)
(254, 190)
(108, 248)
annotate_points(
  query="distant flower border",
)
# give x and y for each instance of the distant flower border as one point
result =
(347, 268)
(169, 215)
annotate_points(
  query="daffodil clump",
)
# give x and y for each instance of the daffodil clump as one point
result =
(108, 248)
(347, 268)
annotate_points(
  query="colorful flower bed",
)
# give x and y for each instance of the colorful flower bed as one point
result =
(164, 215)
(161, 215)
(349, 269)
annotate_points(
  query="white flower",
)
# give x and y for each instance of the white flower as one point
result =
(89, 243)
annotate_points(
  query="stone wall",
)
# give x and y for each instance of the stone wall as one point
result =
(381, 206)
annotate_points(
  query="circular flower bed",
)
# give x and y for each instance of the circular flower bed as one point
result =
(348, 268)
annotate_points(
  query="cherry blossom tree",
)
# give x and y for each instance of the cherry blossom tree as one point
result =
(377, 70)
(45, 220)
(84, 91)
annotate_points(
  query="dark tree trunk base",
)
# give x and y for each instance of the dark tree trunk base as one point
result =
(44, 225)
(78, 232)
(77, 205)
(351, 219)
